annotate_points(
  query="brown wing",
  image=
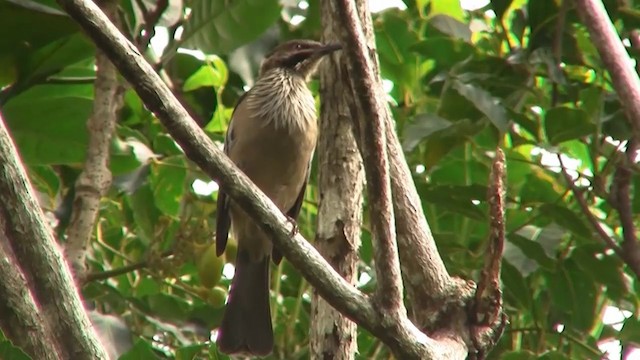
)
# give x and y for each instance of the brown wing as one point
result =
(293, 214)
(223, 217)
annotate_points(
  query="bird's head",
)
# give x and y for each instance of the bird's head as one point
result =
(299, 56)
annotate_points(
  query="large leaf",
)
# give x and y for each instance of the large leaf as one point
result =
(485, 102)
(168, 183)
(563, 123)
(28, 25)
(220, 26)
(48, 123)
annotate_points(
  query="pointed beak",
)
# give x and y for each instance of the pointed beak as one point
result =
(329, 48)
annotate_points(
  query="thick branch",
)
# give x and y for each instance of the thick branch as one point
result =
(374, 153)
(20, 318)
(341, 179)
(425, 277)
(41, 261)
(95, 179)
(615, 58)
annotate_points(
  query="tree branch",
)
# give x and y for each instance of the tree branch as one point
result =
(615, 58)
(489, 319)
(429, 287)
(621, 195)
(341, 180)
(41, 261)
(102, 275)
(95, 179)
(582, 202)
(20, 318)
(374, 153)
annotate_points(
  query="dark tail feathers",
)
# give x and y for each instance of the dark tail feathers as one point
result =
(246, 324)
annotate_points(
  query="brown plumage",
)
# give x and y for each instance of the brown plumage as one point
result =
(271, 138)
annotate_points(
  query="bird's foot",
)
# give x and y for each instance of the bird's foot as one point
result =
(294, 229)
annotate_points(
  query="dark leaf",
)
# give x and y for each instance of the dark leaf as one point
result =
(563, 123)
(219, 26)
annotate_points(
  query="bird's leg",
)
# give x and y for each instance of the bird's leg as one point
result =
(294, 230)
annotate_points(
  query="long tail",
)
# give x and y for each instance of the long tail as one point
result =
(246, 323)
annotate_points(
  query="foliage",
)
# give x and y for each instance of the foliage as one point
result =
(460, 78)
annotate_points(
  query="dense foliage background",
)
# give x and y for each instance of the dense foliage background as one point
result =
(454, 75)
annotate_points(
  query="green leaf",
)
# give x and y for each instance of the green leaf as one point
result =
(574, 293)
(532, 250)
(46, 25)
(168, 180)
(145, 213)
(500, 7)
(566, 218)
(219, 26)
(630, 331)
(516, 288)
(444, 51)
(518, 355)
(8, 351)
(458, 199)
(450, 8)
(563, 123)
(540, 187)
(190, 352)
(48, 123)
(422, 127)
(554, 355)
(450, 26)
(141, 350)
(485, 102)
(45, 179)
(54, 57)
(167, 306)
(604, 269)
(210, 75)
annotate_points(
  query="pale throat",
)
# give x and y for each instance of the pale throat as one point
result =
(283, 100)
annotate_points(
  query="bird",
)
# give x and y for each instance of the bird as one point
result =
(271, 138)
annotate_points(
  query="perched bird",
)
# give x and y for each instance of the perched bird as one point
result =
(271, 138)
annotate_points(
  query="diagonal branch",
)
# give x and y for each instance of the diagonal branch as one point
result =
(48, 276)
(374, 154)
(582, 202)
(20, 319)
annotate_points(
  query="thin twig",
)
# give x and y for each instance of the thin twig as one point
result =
(151, 19)
(621, 194)
(582, 202)
(102, 275)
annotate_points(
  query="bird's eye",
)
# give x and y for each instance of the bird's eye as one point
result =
(298, 46)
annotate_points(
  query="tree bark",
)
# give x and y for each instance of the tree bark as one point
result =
(42, 262)
(20, 318)
(95, 179)
(333, 335)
